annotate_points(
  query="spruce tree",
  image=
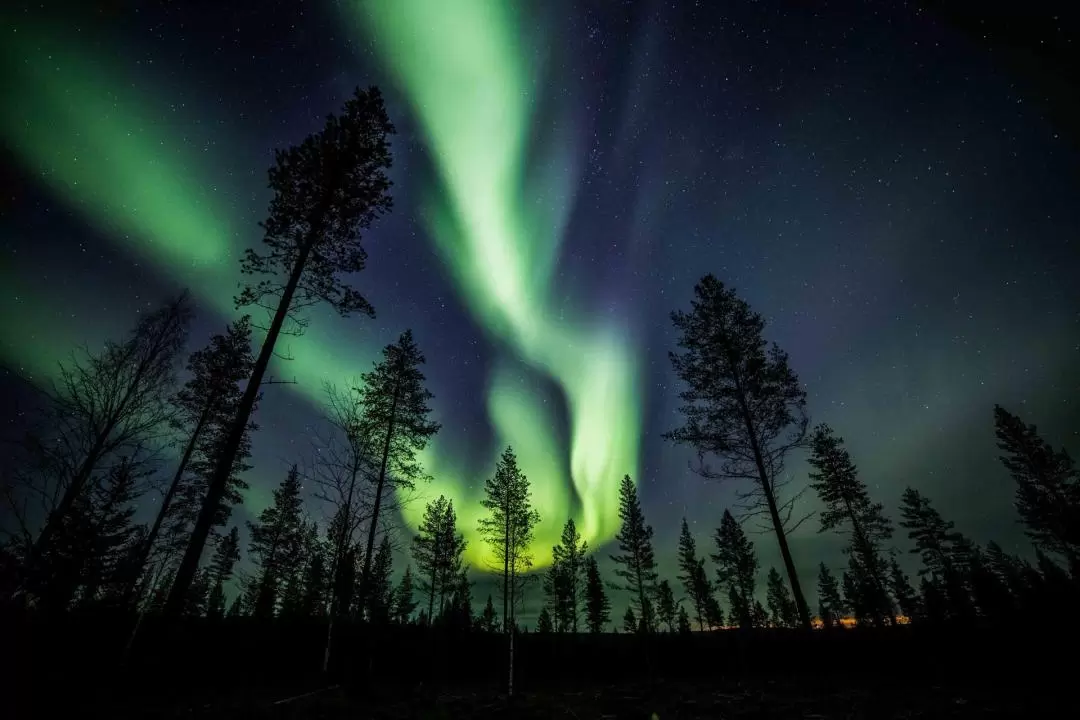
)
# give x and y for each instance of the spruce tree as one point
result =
(379, 598)
(665, 605)
(543, 622)
(782, 610)
(568, 567)
(906, 598)
(326, 190)
(692, 575)
(714, 614)
(684, 622)
(226, 555)
(736, 569)
(1047, 485)
(276, 542)
(629, 622)
(489, 619)
(636, 563)
(404, 604)
(508, 529)
(597, 606)
(395, 415)
(742, 404)
(830, 607)
(849, 510)
(452, 548)
(942, 549)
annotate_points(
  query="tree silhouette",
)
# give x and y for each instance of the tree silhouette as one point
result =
(736, 569)
(941, 548)
(743, 404)
(105, 405)
(226, 555)
(205, 406)
(692, 575)
(597, 605)
(489, 619)
(326, 190)
(508, 528)
(684, 622)
(629, 622)
(276, 543)
(379, 597)
(636, 564)
(404, 604)
(782, 610)
(849, 509)
(1047, 486)
(543, 622)
(830, 607)
(429, 549)
(906, 597)
(665, 605)
(395, 414)
(568, 576)
(714, 614)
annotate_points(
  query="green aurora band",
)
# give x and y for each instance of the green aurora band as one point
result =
(463, 68)
(83, 128)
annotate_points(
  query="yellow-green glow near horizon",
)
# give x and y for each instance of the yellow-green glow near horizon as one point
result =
(463, 68)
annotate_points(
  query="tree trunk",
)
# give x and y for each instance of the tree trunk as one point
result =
(224, 465)
(373, 528)
(506, 568)
(869, 558)
(148, 542)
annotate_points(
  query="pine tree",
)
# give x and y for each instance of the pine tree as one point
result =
(665, 605)
(275, 543)
(568, 576)
(427, 549)
(508, 528)
(630, 623)
(684, 622)
(782, 610)
(103, 406)
(830, 607)
(378, 600)
(326, 191)
(404, 604)
(459, 612)
(849, 509)
(597, 606)
(395, 414)
(452, 545)
(692, 575)
(636, 563)
(489, 620)
(1047, 485)
(226, 555)
(205, 405)
(543, 622)
(906, 598)
(714, 614)
(941, 548)
(736, 568)
(742, 404)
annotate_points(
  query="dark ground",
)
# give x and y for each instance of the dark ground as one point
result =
(250, 669)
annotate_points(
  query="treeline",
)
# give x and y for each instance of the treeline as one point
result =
(118, 424)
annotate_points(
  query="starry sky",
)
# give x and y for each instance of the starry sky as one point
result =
(891, 185)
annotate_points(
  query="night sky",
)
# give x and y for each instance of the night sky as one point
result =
(893, 188)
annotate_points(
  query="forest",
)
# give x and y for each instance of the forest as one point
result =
(121, 555)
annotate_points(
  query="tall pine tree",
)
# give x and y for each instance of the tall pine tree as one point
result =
(276, 543)
(692, 575)
(830, 607)
(636, 563)
(568, 567)
(782, 610)
(1047, 486)
(742, 404)
(736, 569)
(849, 510)
(395, 414)
(226, 555)
(597, 605)
(326, 190)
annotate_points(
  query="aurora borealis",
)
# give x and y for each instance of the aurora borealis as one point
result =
(898, 201)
